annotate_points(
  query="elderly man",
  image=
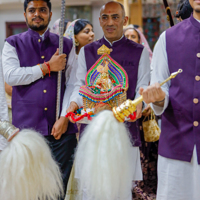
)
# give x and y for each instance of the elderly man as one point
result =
(34, 81)
(134, 58)
(178, 102)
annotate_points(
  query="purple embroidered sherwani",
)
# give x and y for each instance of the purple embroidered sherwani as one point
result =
(180, 121)
(34, 105)
(127, 53)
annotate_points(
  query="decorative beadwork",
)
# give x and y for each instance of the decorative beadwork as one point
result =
(93, 93)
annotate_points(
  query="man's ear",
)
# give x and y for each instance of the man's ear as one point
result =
(100, 21)
(50, 15)
(125, 20)
(25, 16)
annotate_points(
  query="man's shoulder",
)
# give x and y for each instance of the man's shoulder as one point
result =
(132, 44)
(180, 26)
(93, 45)
(15, 38)
(66, 42)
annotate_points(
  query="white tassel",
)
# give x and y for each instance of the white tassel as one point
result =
(104, 159)
(27, 169)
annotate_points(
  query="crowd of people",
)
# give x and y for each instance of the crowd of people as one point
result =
(29, 65)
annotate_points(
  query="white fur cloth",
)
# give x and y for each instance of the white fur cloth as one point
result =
(27, 169)
(105, 161)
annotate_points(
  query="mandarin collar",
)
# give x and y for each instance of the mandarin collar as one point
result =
(115, 43)
(33, 33)
(194, 22)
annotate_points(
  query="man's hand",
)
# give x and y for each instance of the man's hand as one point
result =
(138, 112)
(153, 94)
(72, 108)
(57, 63)
(60, 127)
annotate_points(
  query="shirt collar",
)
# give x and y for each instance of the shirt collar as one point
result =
(113, 41)
(197, 20)
(42, 36)
(35, 34)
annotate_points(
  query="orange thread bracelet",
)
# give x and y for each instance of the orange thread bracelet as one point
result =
(42, 70)
(48, 67)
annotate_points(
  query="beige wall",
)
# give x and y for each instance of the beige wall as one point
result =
(136, 13)
(133, 11)
(15, 14)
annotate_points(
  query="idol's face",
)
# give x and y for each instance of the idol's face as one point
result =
(85, 36)
(112, 20)
(195, 5)
(131, 34)
(38, 16)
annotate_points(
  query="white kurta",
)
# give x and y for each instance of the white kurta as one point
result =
(177, 180)
(23, 75)
(3, 106)
(143, 79)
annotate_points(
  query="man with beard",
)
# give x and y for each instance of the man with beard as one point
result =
(31, 62)
(178, 102)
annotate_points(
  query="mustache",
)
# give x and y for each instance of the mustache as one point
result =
(37, 18)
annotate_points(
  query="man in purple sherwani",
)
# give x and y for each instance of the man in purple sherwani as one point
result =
(178, 102)
(133, 57)
(31, 62)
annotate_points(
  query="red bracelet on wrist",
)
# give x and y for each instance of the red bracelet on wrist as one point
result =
(48, 67)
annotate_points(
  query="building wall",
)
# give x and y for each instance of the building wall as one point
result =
(17, 15)
(95, 21)
(8, 16)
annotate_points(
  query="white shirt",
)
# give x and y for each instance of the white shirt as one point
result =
(23, 75)
(143, 77)
(3, 106)
(160, 72)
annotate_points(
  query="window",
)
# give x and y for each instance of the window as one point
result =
(79, 12)
(151, 30)
(13, 28)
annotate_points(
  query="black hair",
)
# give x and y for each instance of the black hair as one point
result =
(184, 9)
(80, 25)
(136, 26)
(27, 1)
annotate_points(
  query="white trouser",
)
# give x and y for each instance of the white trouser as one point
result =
(178, 180)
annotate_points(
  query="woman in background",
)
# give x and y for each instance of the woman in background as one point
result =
(135, 35)
(145, 189)
(81, 33)
(55, 27)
